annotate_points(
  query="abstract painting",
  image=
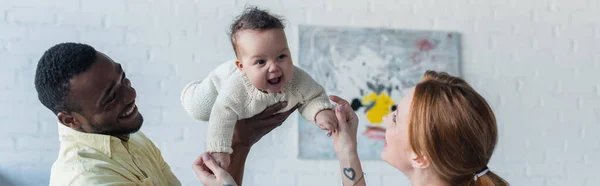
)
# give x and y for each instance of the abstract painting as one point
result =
(372, 68)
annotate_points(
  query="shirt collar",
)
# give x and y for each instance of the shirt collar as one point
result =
(100, 142)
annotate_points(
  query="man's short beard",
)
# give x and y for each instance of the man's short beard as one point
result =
(121, 131)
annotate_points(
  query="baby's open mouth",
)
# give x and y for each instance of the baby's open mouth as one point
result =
(274, 81)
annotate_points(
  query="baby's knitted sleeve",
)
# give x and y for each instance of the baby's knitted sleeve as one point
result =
(314, 96)
(198, 97)
(230, 103)
(221, 125)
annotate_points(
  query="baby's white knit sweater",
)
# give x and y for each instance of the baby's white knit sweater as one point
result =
(226, 96)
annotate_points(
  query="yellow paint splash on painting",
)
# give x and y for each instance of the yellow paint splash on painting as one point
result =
(382, 106)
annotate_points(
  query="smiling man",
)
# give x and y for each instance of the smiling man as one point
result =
(98, 121)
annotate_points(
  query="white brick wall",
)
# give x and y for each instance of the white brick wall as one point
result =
(536, 62)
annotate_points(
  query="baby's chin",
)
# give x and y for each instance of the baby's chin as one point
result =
(273, 90)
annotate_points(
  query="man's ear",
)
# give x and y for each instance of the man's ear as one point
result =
(239, 64)
(69, 120)
(419, 162)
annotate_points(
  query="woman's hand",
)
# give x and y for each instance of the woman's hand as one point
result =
(344, 143)
(210, 174)
(344, 139)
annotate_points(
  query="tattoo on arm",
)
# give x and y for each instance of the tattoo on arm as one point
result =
(349, 173)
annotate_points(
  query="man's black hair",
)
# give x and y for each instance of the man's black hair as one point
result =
(56, 68)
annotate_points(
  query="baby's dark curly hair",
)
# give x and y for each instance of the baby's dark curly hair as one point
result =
(56, 68)
(254, 18)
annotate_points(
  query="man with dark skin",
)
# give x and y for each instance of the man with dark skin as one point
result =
(99, 122)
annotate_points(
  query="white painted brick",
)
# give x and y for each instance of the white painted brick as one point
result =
(178, 116)
(79, 18)
(526, 156)
(158, 99)
(35, 169)
(48, 123)
(466, 26)
(125, 53)
(474, 10)
(108, 6)
(413, 23)
(504, 41)
(184, 151)
(544, 15)
(575, 170)
(528, 28)
(530, 3)
(439, 9)
(227, 14)
(171, 85)
(184, 8)
(139, 81)
(569, 6)
(176, 22)
(513, 13)
(327, 18)
(147, 7)
(3, 14)
(20, 158)
(494, 27)
(585, 17)
(274, 7)
(293, 15)
(160, 133)
(18, 111)
(36, 143)
(122, 19)
(166, 55)
(396, 179)
(194, 130)
(317, 179)
(553, 45)
(586, 46)
(357, 6)
(31, 15)
(63, 5)
(564, 181)
(29, 48)
(308, 4)
(367, 20)
(578, 32)
(550, 170)
(53, 34)
(103, 36)
(284, 178)
(148, 37)
(592, 181)
(7, 143)
(151, 113)
(234, 4)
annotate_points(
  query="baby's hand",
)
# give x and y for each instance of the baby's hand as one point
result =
(221, 158)
(327, 120)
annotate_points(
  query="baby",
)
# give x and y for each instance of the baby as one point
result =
(262, 75)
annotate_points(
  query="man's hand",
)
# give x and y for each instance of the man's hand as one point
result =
(249, 131)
